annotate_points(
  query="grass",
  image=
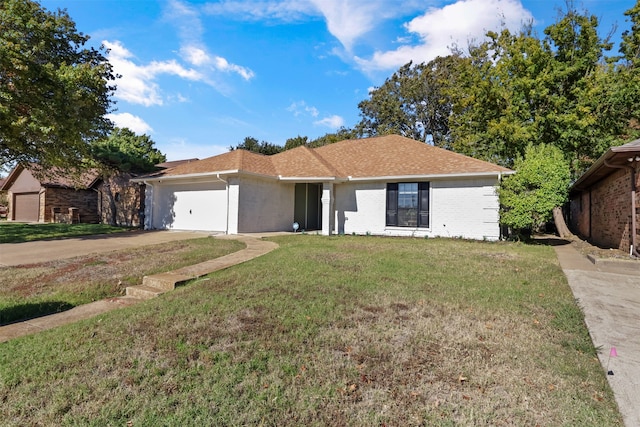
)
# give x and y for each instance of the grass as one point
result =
(12, 232)
(33, 290)
(328, 331)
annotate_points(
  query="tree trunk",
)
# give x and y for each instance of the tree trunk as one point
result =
(112, 202)
(561, 225)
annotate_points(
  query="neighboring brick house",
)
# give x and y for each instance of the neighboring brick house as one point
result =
(56, 197)
(604, 202)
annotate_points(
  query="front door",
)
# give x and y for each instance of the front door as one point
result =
(308, 206)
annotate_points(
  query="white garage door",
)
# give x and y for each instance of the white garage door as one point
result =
(201, 206)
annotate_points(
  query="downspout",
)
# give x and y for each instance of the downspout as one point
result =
(634, 246)
(227, 187)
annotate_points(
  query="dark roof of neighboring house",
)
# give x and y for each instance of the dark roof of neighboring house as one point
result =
(384, 156)
(615, 156)
(54, 178)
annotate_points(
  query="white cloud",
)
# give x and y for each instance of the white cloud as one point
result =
(301, 107)
(332, 122)
(138, 82)
(128, 120)
(455, 24)
(347, 20)
(283, 10)
(193, 49)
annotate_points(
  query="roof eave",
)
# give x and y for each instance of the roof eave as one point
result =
(585, 180)
(496, 174)
(204, 176)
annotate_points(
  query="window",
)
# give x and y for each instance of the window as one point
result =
(408, 204)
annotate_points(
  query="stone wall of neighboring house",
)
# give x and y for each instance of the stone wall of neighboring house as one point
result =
(68, 205)
(603, 213)
(128, 198)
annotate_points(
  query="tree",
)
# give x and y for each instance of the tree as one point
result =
(332, 137)
(540, 184)
(252, 144)
(413, 102)
(54, 92)
(123, 152)
(296, 142)
(497, 97)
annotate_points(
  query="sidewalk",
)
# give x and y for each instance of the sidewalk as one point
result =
(255, 248)
(610, 299)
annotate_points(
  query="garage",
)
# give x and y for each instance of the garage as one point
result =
(196, 206)
(26, 207)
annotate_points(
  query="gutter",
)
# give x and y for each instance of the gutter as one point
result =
(632, 170)
(498, 174)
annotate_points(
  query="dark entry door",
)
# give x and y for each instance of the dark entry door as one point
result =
(308, 206)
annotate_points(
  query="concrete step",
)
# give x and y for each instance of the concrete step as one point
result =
(143, 292)
(165, 281)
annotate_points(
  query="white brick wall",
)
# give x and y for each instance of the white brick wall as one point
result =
(265, 205)
(459, 208)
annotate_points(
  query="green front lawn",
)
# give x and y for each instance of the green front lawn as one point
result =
(13, 232)
(340, 330)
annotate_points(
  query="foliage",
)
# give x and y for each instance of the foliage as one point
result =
(413, 102)
(54, 92)
(329, 138)
(541, 183)
(124, 151)
(516, 89)
(296, 142)
(252, 144)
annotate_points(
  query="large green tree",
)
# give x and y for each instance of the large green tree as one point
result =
(54, 91)
(120, 155)
(413, 102)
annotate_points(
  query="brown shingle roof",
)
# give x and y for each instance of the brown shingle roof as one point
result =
(394, 155)
(54, 177)
(389, 155)
(240, 160)
(302, 162)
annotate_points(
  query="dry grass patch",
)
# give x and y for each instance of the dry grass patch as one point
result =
(37, 289)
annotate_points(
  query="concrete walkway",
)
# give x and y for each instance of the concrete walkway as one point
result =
(609, 295)
(255, 247)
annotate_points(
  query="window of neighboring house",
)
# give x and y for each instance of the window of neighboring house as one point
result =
(408, 204)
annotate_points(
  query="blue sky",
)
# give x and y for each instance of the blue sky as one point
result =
(199, 76)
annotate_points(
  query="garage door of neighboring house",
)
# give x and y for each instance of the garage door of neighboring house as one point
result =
(197, 206)
(26, 207)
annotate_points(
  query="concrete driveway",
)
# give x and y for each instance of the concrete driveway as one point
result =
(609, 295)
(12, 254)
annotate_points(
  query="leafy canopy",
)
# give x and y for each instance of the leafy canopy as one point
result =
(54, 92)
(124, 151)
(541, 182)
